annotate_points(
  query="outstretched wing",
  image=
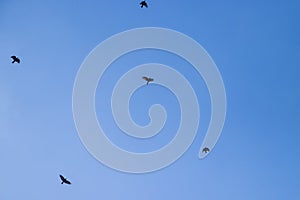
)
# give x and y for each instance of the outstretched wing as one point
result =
(62, 178)
(145, 78)
(67, 182)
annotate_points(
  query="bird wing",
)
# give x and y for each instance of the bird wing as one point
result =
(67, 182)
(17, 60)
(146, 5)
(13, 57)
(150, 79)
(62, 178)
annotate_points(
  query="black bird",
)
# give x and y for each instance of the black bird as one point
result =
(205, 150)
(144, 3)
(64, 180)
(15, 59)
(148, 79)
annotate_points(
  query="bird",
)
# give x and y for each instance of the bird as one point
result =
(64, 180)
(148, 79)
(205, 150)
(144, 3)
(15, 59)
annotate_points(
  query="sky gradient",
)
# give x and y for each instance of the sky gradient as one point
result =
(256, 47)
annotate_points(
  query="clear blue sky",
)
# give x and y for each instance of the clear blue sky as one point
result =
(256, 47)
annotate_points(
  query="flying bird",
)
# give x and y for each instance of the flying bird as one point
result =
(15, 59)
(144, 3)
(64, 180)
(148, 79)
(205, 150)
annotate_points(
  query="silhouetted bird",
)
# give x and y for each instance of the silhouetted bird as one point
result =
(64, 180)
(205, 150)
(15, 59)
(144, 3)
(148, 79)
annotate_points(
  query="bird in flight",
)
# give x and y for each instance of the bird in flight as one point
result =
(205, 150)
(144, 3)
(15, 59)
(64, 180)
(148, 79)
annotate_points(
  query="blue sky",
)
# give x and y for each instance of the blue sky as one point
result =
(256, 47)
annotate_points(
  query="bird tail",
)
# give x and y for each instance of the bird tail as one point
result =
(62, 182)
